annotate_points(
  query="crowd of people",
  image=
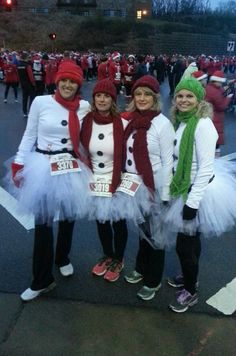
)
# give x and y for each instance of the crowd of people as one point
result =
(79, 160)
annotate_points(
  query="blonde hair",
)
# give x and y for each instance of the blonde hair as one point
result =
(204, 110)
(113, 109)
(156, 101)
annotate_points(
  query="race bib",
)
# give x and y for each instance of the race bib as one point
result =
(63, 163)
(129, 184)
(101, 188)
(117, 76)
(128, 78)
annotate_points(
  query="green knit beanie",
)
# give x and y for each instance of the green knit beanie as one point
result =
(192, 85)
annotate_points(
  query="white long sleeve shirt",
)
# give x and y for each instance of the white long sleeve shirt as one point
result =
(48, 127)
(205, 138)
(101, 148)
(160, 139)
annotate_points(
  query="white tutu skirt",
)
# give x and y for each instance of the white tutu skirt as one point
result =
(51, 198)
(217, 210)
(121, 206)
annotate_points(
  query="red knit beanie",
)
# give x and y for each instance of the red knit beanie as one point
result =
(105, 86)
(69, 70)
(146, 81)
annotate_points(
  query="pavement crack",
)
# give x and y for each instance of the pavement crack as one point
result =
(12, 324)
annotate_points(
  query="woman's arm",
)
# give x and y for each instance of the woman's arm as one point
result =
(205, 143)
(31, 133)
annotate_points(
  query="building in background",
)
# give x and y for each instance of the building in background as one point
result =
(106, 8)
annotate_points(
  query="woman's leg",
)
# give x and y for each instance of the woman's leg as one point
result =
(189, 250)
(120, 239)
(42, 257)
(64, 241)
(105, 234)
(150, 263)
(7, 86)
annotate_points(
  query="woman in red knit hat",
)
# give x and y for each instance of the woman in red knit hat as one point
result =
(149, 139)
(102, 137)
(48, 174)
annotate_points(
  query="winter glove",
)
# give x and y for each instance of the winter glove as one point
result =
(16, 167)
(189, 213)
(165, 203)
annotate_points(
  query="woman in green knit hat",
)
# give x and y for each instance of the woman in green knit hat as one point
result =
(204, 201)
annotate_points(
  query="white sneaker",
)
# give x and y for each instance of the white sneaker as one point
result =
(16, 100)
(67, 270)
(5, 101)
(30, 294)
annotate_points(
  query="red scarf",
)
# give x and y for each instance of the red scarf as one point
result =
(74, 126)
(141, 122)
(118, 134)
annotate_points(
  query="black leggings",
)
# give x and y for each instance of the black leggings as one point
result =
(188, 249)
(15, 89)
(113, 237)
(150, 263)
(43, 253)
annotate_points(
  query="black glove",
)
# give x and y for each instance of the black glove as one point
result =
(165, 203)
(189, 213)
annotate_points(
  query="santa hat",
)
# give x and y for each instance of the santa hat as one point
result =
(131, 56)
(218, 76)
(199, 75)
(146, 81)
(69, 70)
(105, 86)
(115, 55)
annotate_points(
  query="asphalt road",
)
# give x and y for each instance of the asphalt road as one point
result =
(217, 265)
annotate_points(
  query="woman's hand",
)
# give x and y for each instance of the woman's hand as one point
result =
(16, 167)
(189, 213)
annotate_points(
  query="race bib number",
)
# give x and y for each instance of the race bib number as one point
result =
(129, 184)
(128, 78)
(63, 163)
(118, 76)
(101, 188)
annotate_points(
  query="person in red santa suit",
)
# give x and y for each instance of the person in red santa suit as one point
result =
(102, 137)
(115, 71)
(129, 69)
(210, 67)
(11, 78)
(85, 66)
(50, 67)
(215, 96)
(50, 178)
(103, 68)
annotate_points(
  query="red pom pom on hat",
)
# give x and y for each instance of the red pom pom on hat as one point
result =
(147, 81)
(199, 75)
(107, 87)
(218, 76)
(69, 70)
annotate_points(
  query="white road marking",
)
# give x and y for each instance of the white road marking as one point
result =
(230, 156)
(224, 300)
(12, 206)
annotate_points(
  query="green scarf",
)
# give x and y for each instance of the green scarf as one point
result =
(182, 179)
